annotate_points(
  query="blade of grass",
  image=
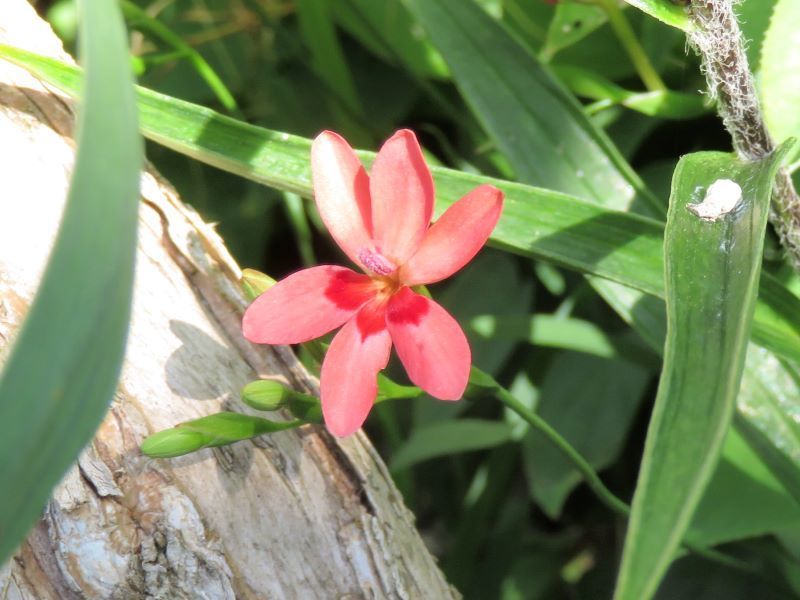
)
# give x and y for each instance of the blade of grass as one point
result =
(712, 273)
(296, 213)
(327, 58)
(665, 11)
(538, 125)
(667, 104)
(139, 19)
(63, 369)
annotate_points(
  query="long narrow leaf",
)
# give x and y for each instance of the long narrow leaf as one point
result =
(539, 126)
(671, 13)
(712, 279)
(62, 371)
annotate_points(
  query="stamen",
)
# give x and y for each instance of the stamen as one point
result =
(376, 262)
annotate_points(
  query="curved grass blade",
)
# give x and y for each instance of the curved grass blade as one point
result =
(666, 104)
(444, 438)
(63, 369)
(537, 223)
(139, 19)
(567, 333)
(767, 404)
(712, 273)
(327, 58)
(665, 11)
(526, 110)
(779, 82)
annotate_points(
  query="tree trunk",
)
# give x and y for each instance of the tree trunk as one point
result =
(293, 515)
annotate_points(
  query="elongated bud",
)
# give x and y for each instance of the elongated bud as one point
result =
(265, 394)
(173, 442)
(254, 283)
(214, 430)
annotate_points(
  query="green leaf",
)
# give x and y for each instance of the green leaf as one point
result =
(536, 223)
(665, 11)
(767, 416)
(528, 20)
(711, 275)
(62, 371)
(566, 333)
(743, 499)
(142, 21)
(388, 30)
(780, 73)
(666, 104)
(214, 430)
(754, 17)
(571, 23)
(540, 127)
(592, 403)
(327, 58)
(444, 438)
(467, 296)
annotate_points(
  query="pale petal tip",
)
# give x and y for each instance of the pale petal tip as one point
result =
(343, 423)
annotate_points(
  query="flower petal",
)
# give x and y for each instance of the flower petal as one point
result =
(402, 197)
(341, 190)
(348, 379)
(306, 305)
(455, 238)
(430, 343)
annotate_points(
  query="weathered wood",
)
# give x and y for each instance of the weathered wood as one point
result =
(293, 515)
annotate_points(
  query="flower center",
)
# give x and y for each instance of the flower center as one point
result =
(376, 262)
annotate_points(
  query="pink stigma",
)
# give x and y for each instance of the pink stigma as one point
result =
(376, 262)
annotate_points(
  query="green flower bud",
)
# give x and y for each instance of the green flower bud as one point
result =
(173, 442)
(218, 429)
(269, 394)
(254, 283)
(265, 394)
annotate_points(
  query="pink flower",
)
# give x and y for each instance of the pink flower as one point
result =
(382, 222)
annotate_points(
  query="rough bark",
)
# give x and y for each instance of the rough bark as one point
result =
(293, 515)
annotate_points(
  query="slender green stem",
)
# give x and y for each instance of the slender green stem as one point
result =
(590, 475)
(296, 213)
(142, 20)
(627, 37)
(593, 480)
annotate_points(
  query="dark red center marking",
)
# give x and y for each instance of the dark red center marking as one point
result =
(406, 307)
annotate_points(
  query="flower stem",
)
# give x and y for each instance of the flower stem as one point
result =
(605, 495)
(627, 37)
(591, 477)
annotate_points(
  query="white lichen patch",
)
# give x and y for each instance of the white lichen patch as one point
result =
(721, 197)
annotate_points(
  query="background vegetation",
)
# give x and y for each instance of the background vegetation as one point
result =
(591, 99)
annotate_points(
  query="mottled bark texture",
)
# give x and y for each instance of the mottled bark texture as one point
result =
(293, 515)
(716, 37)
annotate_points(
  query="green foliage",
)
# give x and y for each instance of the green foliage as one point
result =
(63, 368)
(449, 437)
(711, 276)
(666, 11)
(536, 222)
(579, 112)
(780, 73)
(593, 412)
